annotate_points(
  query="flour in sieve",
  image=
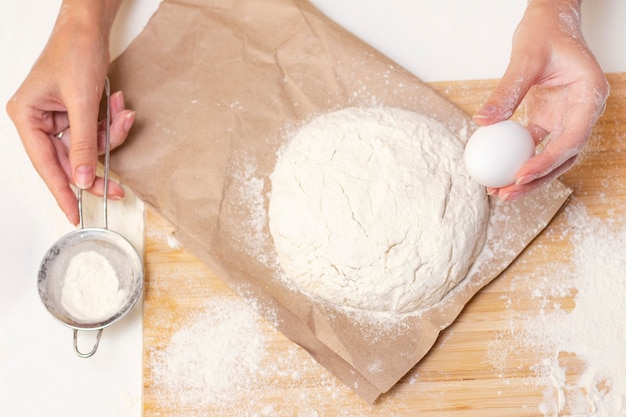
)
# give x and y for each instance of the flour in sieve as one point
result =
(91, 288)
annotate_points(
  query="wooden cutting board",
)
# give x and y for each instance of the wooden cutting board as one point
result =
(458, 376)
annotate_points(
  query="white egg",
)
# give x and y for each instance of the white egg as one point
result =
(494, 153)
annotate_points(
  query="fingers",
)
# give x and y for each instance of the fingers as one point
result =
(122, 120)
(57, 157)
(507, 96)
(115, 191)
(515, 191)
(558, 155)
(43, 154)
(82, 109)
(65, 197)
(567, 137)
(554, 154)
(530, 55)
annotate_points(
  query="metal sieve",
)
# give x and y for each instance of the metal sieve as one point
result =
(120, 253)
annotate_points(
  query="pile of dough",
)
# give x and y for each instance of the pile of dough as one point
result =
(372, 208)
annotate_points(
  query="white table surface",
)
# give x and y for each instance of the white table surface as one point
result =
(39, 373)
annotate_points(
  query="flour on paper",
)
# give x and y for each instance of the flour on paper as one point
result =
(371, 208)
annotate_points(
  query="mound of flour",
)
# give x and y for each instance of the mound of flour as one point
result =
(371, 208)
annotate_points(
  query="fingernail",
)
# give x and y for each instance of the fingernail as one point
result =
(117, 197)
(510, 196)
(117, 102)
(525, 179)
(129, 120)
(485, 112)
(84, 176)
(72, 219)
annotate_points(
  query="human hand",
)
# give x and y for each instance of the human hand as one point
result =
(563, 87)
(63, 89)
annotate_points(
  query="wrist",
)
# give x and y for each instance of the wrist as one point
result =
(556, 8)
(551, 19)
(88, 18)
(557, 3)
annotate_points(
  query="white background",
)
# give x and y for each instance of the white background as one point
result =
(40, 375)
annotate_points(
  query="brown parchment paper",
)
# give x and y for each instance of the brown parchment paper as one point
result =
(218, 86)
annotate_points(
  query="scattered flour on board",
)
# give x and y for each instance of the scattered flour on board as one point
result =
(221, 362)
(167, 238)
(583, 367)
(217, 352)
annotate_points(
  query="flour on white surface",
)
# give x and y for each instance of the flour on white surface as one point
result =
(371, 208)
(91, 288)
(582, 365)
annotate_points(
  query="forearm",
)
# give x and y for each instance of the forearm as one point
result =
(93, 18)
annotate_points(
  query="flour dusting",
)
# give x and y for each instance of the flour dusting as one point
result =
(222, 361)
(164, 237)
(581, 345)
(215, 355)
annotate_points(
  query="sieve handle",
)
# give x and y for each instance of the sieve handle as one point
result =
(93, 350)
(107, 151)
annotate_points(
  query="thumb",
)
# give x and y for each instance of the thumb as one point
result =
(82, 112)
(503, 101)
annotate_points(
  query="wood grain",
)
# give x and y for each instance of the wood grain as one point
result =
(468, 372)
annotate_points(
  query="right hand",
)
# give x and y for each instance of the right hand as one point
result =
(553, 70)
(62, 93)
